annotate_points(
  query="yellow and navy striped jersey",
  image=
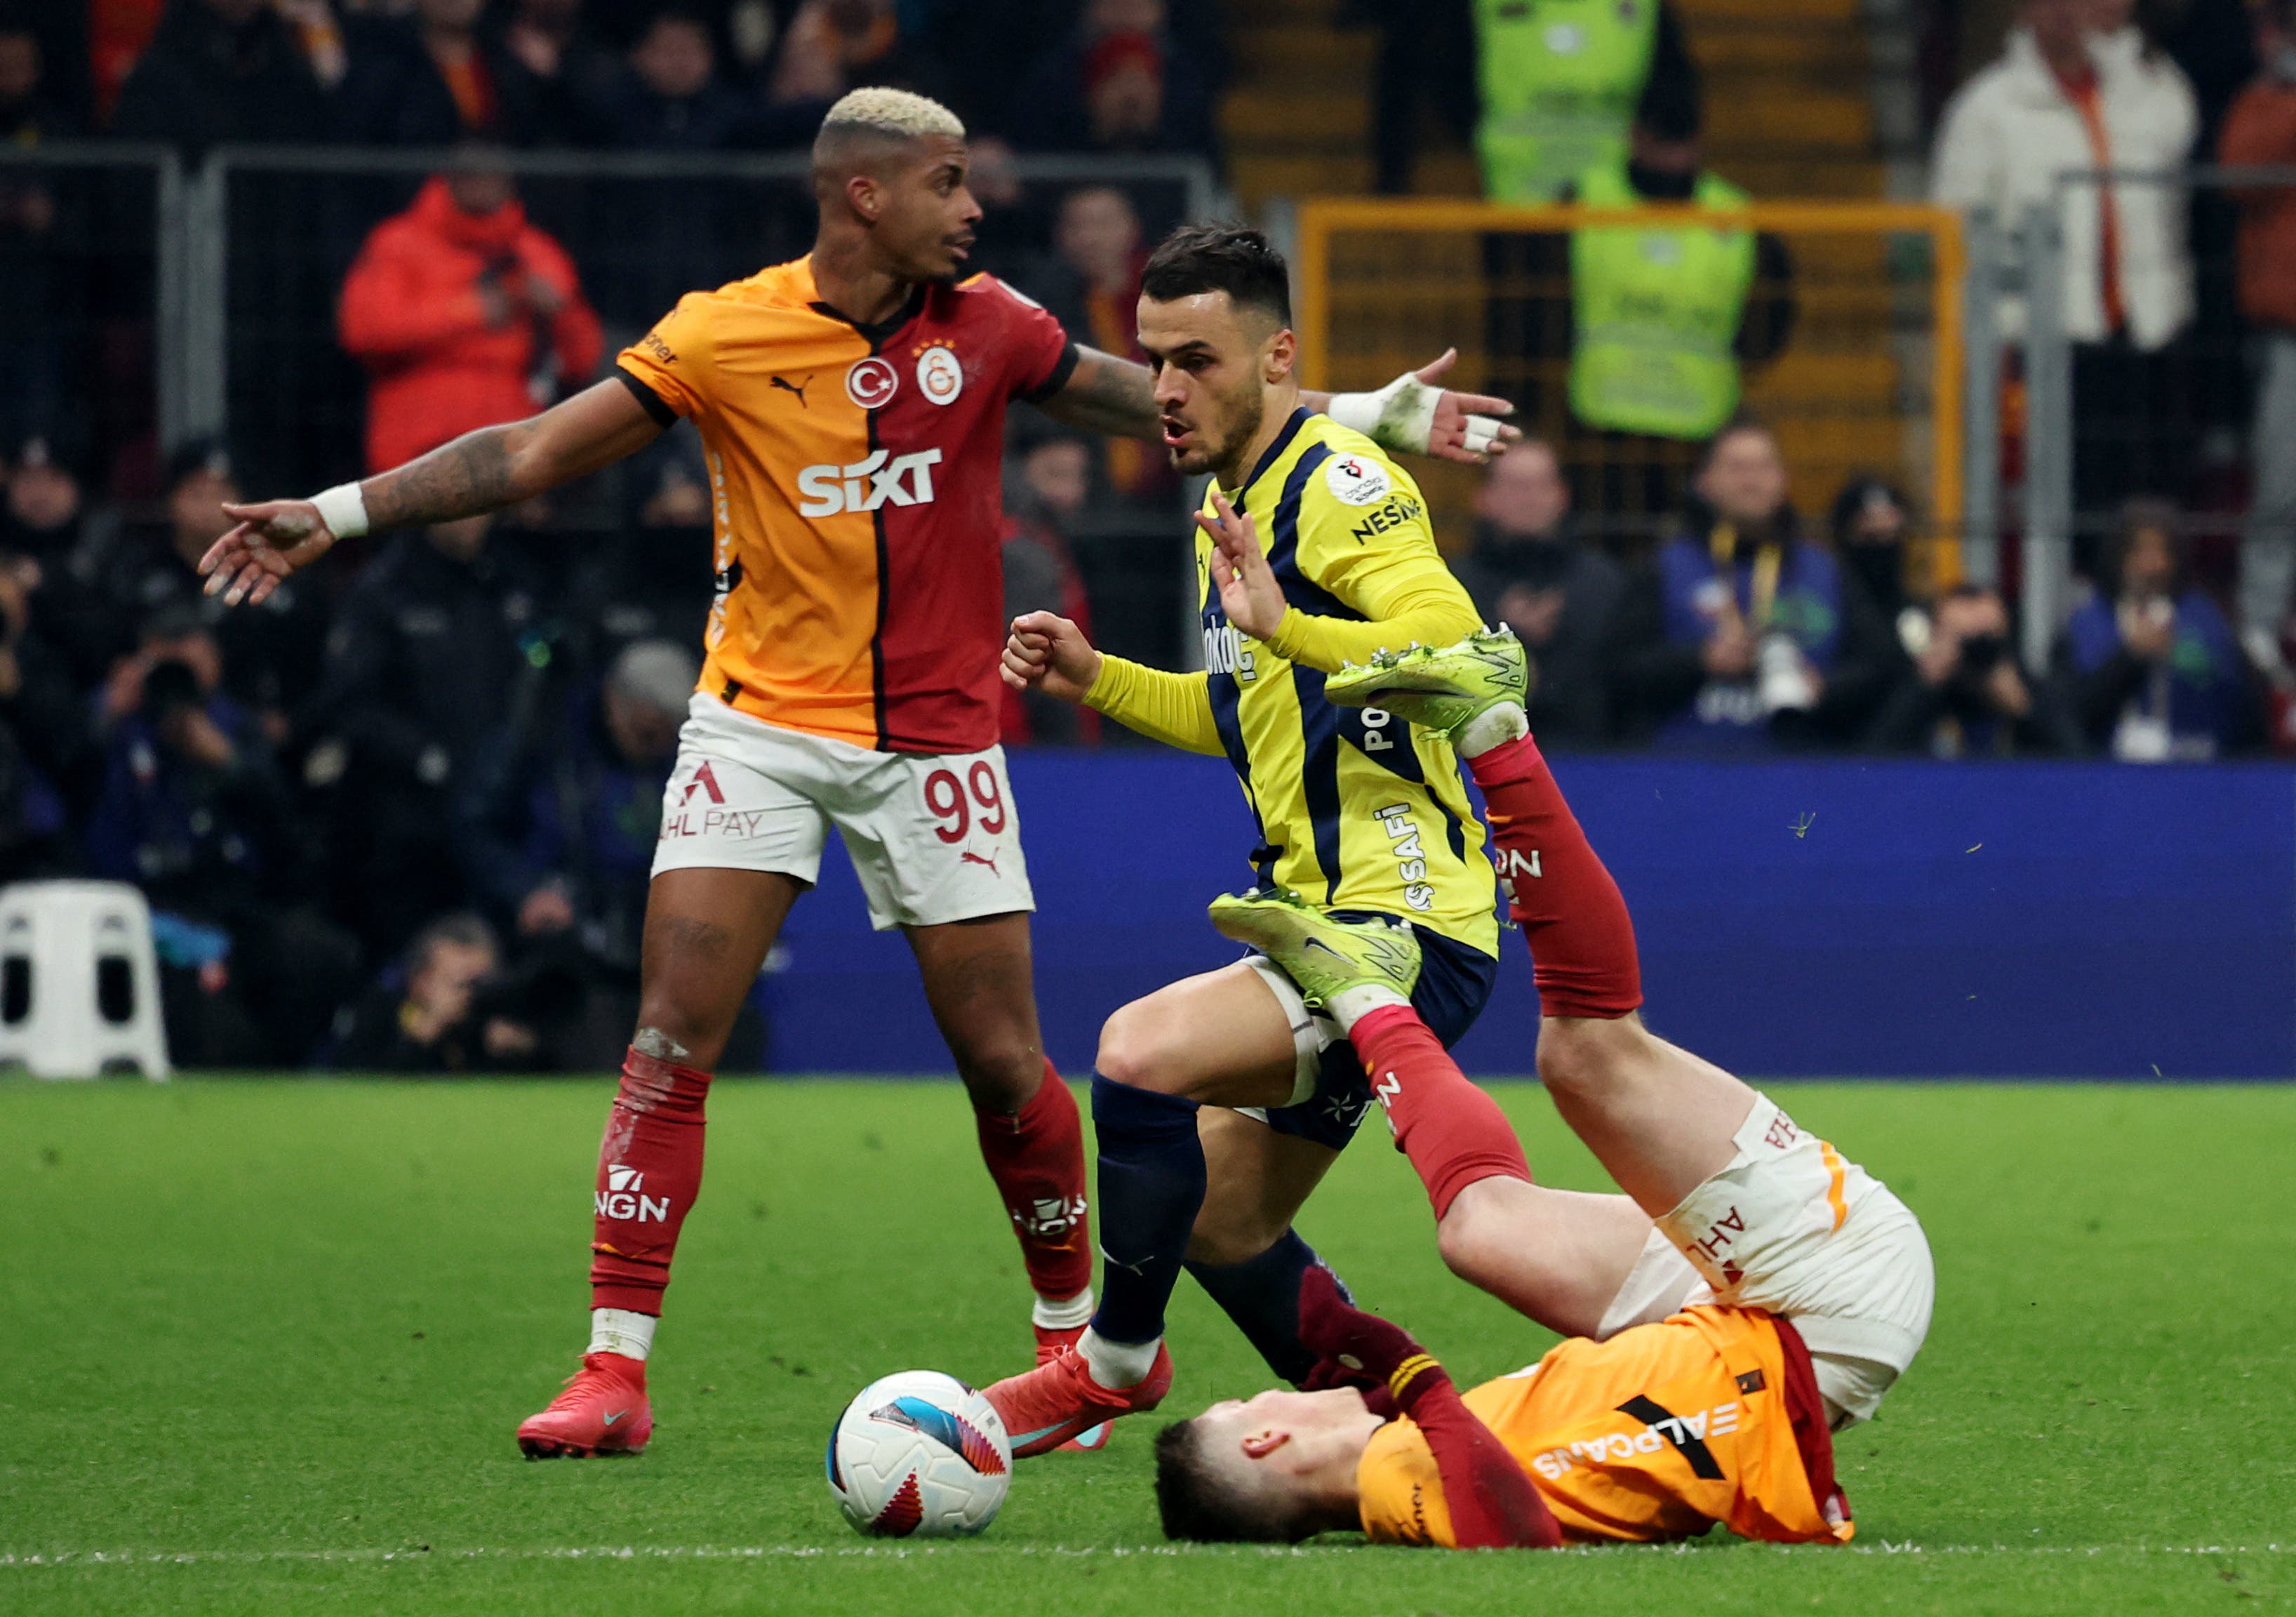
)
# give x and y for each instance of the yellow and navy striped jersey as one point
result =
(1357, 810)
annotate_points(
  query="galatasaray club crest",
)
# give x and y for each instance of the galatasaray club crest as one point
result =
(940, 374)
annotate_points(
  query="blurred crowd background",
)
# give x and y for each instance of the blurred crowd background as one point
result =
(400, 817)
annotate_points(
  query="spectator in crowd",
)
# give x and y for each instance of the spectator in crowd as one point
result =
(559, 842)
(832, 46)
(427, 668)
(46, 752)
(2065, 95)
(2151, 663)
(2260, 131)
(33, 239)
(428, 1013)
(42, 521)
(1561, 86)
(1960, 692)
(1091, 283)
(1044, 497)
(1663, 324)
(1735, 628)
(223, 70)
(271, 652)
(1425, 53)
(670, 98)
(463, 314)
(567, 70)
(1530, 570)
(1870, 525)
(433, 78)
(653, 579)
(1119, 84)
(192, 812)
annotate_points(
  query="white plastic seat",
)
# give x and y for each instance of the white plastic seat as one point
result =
(79, 984)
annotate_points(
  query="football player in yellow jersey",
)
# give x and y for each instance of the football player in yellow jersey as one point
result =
(1315, 551)
(1752, 1291)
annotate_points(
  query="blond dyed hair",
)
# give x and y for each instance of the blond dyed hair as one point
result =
(897, 112)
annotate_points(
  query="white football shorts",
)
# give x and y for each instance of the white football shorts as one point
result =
(934, 837)
(1794, 1227)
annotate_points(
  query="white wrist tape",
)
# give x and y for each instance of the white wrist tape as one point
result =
(343, 509)
(1401, 417)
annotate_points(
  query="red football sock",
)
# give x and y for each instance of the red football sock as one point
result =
(1036, 1158)
(1582, 941)
(648, 1171)
(1453, 1132)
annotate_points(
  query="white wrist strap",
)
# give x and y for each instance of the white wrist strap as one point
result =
(1401, 417)
(343, 509)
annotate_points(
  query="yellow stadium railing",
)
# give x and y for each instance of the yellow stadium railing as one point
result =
(1869, 380)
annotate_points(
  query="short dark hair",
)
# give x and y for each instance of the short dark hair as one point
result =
(1197, 259)
(1197, 1503)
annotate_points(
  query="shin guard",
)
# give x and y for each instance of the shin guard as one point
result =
(648, 1171)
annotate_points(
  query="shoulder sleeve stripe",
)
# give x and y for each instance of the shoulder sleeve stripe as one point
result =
(1059, 379)
(651, 402)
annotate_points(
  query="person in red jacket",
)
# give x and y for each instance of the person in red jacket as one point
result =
(464, 315)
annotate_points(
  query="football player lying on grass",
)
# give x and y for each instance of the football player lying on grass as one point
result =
(1752, 1291)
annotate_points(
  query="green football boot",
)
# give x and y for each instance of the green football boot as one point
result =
(1323, 957)
(1438, 688)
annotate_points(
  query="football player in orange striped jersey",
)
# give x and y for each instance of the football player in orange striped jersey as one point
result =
(851, 407)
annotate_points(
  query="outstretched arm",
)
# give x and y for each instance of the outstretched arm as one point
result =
(479, 471)
(1047, 653)
(1409, 416)
(1492, 1503)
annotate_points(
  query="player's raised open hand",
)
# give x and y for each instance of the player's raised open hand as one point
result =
(1248, 590)
(272, 540)
(1413, 415)
(1046, 652)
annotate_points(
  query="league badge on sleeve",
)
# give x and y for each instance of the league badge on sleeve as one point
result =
(1355, 481)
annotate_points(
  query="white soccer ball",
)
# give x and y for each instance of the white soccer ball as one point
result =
(920, 1455)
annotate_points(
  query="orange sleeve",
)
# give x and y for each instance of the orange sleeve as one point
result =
(1399, 1489)
(388, 311)
(675, 362)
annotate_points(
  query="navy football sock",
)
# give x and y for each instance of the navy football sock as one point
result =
(1262, 1295)
(1152, 1182)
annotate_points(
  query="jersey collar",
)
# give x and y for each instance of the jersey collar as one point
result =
(874, 335)
(1298, 419)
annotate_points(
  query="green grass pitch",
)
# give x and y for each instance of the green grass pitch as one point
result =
(267, 1342)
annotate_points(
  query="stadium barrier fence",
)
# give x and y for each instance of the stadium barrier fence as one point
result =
(93, 281)
(1866, 375)
(1818, 918)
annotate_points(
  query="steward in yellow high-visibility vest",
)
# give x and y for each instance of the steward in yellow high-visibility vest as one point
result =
(1655, 314)
(1559, 82)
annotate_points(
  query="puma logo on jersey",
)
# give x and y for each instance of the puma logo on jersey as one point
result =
(798, 388)
(970, 857)
(868, 485)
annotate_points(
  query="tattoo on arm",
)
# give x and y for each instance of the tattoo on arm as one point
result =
(1106, 394)
(474, 473)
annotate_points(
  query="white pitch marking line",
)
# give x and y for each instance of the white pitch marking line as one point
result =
(757, 1552)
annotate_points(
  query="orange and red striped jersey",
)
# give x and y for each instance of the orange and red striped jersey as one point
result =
(856, 486)
(1710, 1415)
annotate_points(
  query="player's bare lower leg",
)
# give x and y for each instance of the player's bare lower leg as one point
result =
(707, 932)
(978, 981)
(1220, 1038)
